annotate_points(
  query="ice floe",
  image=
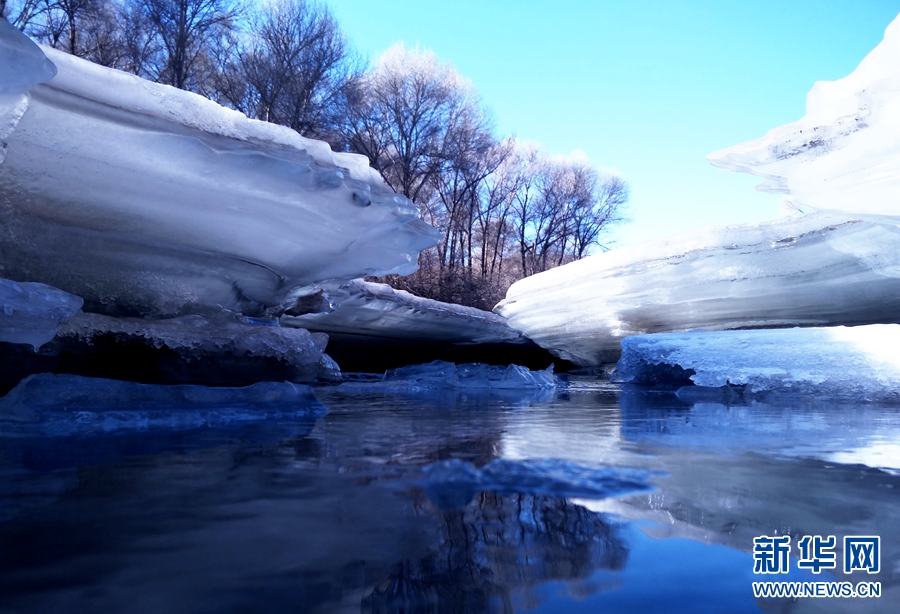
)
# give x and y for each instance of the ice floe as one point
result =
(147, 200)
(812, 270)
(370, 309)
(859, 362)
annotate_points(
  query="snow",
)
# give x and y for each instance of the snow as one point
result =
(859, 362)
(148, 200)
(452, 483)
(844, 154)
(204, 349)
(65, 405)
(363, 308)
(812, 270)
(30, 313)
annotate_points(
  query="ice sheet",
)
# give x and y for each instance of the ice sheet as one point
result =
(811, 270)
(363, 308)
(844, 154)
(859, 362)
(148, 200)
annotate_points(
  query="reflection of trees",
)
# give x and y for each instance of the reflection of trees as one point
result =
(495, 548)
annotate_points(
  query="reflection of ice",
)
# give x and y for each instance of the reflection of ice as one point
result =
(878, 454)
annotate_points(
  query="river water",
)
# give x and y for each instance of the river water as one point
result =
(343, 512)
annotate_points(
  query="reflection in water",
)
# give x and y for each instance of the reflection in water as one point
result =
(334, 514)
(488, 555)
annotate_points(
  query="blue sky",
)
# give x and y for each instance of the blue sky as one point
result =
(648, 87)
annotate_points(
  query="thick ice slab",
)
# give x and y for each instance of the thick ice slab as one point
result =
(858, 362)
(813, 270)
(844, 154)
(147, 200)
(368, 309)
(191, 349)
(65, 405)
(30, 313)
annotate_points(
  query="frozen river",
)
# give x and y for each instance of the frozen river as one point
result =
(359, 510)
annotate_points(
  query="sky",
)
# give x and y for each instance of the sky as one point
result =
(646, 87)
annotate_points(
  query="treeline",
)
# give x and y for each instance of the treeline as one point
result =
(506, 209)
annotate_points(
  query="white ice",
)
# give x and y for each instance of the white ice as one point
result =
(30, 313)
(377, 310)
(812, 270)
(859, 362)
(147, 200)
(844, 154)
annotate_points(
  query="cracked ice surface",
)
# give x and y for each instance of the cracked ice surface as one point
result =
(30, 313)
(844, 154)
(843, 362)
(148, 200)
(363, 308)
(814, 270)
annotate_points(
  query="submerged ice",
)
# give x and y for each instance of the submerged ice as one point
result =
(859, 362)
(453, 483)
(65, 405)
(148, 200)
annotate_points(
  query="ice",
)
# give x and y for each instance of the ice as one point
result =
(858, 362)
(30, 313)
(22, 63)
(65, 405)
(813, 270)
(844, 154)
(473, 376)
(452, 483)
(363, 308)
(193, 349)
(147, 200)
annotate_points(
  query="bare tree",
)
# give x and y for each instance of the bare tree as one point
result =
(186, 36)
(294, 70)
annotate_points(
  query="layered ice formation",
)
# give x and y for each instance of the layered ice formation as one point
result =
(844, 154)
(813, 270)
(859, 362)
(147, 200)
(65, 405)
(191, 349)
(30, 313)
(370, 309)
